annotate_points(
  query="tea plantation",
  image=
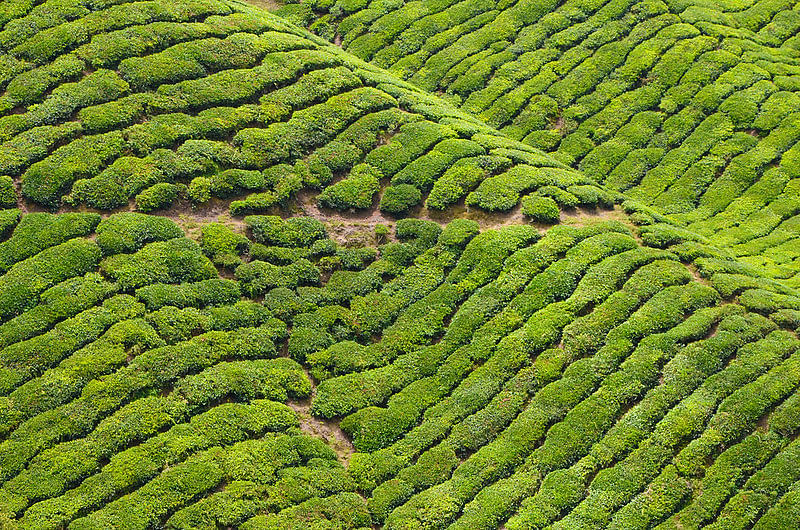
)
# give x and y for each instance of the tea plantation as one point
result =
(426, 264)
(690, 106)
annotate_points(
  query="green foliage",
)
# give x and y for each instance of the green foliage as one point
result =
(458, 233)
(259, 277)
(292, 232)
(454, 185)
(129, 231)
(8, 221)
(344, 510)
(225, 184)
(540, 209)
(381, 232)
(419, 233)
(629, 373)
(223, 245)
(199, 190)
(156, 197)
(355, 191)
(399, 198)
(8, 194)
(173, 261)
(212, 292)
(27, 279)
(46, 181)
(39, 231)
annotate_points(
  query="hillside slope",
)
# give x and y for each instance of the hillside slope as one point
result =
(689, 107)
(424, 351)
(101, 105)
(582, 377)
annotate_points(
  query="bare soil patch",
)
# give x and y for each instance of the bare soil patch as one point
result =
(269, 5)
(586, 216)
(327, 430)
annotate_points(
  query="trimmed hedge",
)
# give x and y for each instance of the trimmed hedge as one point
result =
(259, 277)
(8, 193)
(173, 261)
(223, 245)
(399, 198)
(625, 374)
(355, 191)
(157, 197)
(24, 282)
(540, 209)
(212, 292)
(292, 232)
(8, 221)
(224, 424)
(38, 231)
(129, 231)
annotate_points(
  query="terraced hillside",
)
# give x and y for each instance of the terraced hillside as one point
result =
(687, 106)
(570, 378)
(249, 280)
(143, 101)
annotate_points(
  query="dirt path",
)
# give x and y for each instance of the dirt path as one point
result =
(345, 224)
(327, 430)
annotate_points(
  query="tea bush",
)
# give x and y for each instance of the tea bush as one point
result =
(399, 198)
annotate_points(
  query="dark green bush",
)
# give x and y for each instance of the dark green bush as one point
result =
(381, 233)
(233, 182)
(199, 190)
(343, 510)
(254, 203)
(458, 233)
(592, 195)
(68, 336)
(8, 221)
(222, 425)
(355, 259)
(454, 185)
(21, 286)
(46, 181)
(63, 300)
(38, 231)
(259, 277)
(422, 234)
(212, 292)
(173, 261)
(283, 303)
